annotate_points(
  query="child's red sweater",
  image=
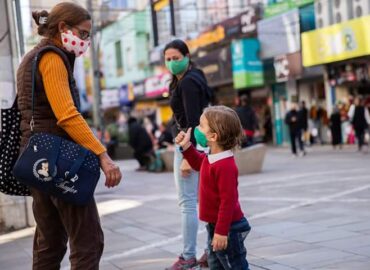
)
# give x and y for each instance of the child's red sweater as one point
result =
(218, 188)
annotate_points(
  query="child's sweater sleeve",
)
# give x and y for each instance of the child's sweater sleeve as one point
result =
(227, 182)
(194, 157)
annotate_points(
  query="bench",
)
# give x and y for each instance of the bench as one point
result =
(250, 160)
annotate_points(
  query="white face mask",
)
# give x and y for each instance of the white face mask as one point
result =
(73, 44)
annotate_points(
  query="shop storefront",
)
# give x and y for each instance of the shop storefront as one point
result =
(280, 40)
(281, 64)
(151, 98)
(344, 49)
(216, 65)
(248, 79)
(212, 52)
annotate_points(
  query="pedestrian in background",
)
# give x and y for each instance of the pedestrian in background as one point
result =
(336, 128)
(248, 119)
(303, 121)
(165, 138)
(67, 27)
(292, 120)
(188, 98)
(219, 206)
(141, 143)
(360, 119)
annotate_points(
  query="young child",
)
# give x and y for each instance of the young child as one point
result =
(220, 130)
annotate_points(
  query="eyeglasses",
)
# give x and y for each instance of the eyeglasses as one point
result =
(83, 34)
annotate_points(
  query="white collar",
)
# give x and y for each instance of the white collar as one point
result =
(212, 158)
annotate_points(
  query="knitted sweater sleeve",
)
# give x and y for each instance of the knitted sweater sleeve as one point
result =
(55, 78)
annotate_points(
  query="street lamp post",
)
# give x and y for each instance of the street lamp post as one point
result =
(96, 72)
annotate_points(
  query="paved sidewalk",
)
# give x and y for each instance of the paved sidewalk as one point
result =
(306, 213)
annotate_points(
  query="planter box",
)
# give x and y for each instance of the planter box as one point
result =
(250, 160)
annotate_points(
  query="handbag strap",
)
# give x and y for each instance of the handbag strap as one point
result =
(35, 63)
(53, 159)
(77, 164)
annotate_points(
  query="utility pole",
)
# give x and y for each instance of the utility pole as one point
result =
(173, 25)
(96, 71)
(154, 23)
(18, 15)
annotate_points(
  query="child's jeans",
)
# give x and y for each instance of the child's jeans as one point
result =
(235, 256)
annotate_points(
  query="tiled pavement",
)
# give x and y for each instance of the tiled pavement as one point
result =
(306, 213)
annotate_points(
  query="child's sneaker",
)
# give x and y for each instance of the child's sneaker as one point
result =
(182, 264)
(203, 262)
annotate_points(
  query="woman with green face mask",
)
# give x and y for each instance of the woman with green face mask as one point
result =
(188, 98)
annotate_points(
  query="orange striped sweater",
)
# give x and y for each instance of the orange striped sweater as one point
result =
(55, 78)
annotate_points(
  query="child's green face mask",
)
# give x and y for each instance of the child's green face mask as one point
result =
(200, 137)
(177, 66)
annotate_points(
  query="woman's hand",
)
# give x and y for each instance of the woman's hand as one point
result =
(219, 242)
(112, 172)
(183, 139)
(185, 168)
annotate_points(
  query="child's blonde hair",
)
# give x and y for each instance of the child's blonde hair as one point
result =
(226, 124)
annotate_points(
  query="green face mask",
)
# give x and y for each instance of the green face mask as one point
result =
(200, 137)
(177, 66)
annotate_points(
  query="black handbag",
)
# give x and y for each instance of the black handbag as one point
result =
(9, 151)
(54, 165)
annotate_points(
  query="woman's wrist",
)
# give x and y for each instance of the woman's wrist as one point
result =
(103, 155)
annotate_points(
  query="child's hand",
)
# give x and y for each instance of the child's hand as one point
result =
(219, 242)
(183, 139)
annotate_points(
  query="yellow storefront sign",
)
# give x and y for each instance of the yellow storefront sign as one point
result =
(159, 5)
(337, 42)
(207, 38)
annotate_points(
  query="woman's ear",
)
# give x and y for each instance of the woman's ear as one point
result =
(62, 27)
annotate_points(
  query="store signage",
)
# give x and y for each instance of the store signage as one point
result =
(124, 95)
(207, 38)
(242, 25)
(281, 66)
(160, 4)
(157, 85)
(216, 65)
(139, 89)
(288, 66)
(110, 98)
(283, 6)
(337, 42)
(246, 65)
(279, 35)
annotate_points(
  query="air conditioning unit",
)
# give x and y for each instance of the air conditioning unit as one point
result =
(360, 8)
(341, 10)
(323, 16)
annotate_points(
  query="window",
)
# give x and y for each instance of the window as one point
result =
(119, 59)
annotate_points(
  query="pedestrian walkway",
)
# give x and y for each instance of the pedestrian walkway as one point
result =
(306, 213)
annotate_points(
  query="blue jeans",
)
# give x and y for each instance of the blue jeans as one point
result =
(235, 256)
(187, 189)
